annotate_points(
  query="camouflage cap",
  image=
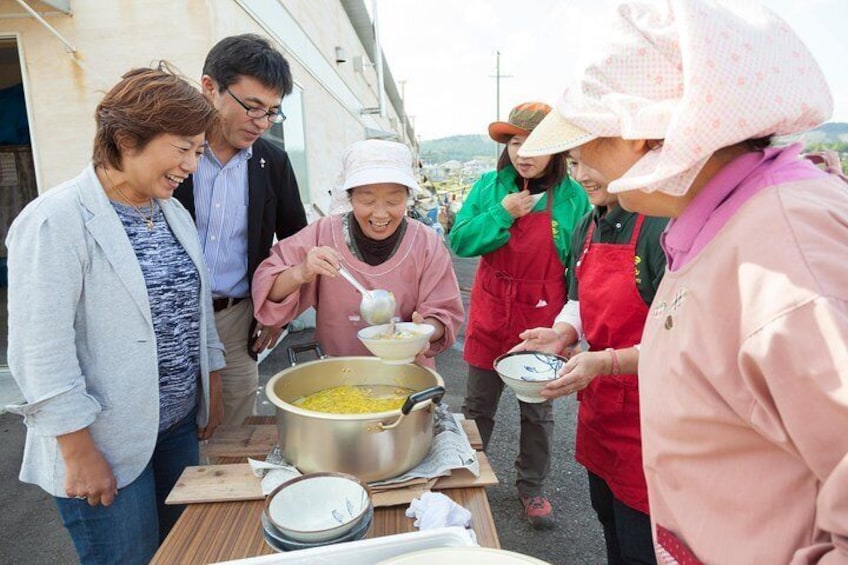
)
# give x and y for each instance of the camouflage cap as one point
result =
(522, 120)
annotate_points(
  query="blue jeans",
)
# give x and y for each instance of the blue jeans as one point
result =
(131, 528)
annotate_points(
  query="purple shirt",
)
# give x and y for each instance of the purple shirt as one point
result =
(725, 193)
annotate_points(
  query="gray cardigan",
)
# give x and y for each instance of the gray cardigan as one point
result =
(81, 341)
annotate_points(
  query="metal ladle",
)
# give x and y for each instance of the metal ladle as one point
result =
(378, 306)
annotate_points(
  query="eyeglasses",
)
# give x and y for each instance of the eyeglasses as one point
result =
(256, 113)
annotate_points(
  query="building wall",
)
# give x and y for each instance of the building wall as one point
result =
(333, 121)
(111, 37)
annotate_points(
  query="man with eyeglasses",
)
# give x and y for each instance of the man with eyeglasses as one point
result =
(243, 193)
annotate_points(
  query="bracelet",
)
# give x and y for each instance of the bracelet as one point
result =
(616, 368)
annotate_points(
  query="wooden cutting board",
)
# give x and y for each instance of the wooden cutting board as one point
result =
(227, 483)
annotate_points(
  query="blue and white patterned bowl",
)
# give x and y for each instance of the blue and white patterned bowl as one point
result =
(527, 372)
(318, 507)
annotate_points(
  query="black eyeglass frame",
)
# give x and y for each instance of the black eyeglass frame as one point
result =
(256, 113)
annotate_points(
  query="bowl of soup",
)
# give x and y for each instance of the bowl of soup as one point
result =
(396, 344)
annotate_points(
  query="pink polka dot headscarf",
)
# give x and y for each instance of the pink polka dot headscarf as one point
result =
(699, 74)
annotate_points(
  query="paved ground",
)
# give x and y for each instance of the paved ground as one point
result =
(31, 532)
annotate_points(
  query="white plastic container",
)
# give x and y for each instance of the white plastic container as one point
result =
(368, 551)
(463, 556)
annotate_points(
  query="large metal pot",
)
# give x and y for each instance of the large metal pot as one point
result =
(371, 446)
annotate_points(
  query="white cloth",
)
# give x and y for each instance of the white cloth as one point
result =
(435, 510)
(272, 474)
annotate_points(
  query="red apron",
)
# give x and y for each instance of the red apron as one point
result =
(613, 314)
(519, 286)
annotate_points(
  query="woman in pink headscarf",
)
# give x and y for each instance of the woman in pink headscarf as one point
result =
(743, 366)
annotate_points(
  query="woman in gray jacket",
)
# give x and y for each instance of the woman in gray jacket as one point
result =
(111, 333)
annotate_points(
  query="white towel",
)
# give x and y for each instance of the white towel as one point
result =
(435, 510)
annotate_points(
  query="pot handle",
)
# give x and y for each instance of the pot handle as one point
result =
(434, 393)
(293, 350)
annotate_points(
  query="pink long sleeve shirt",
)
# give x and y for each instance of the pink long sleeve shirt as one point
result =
(744, 369)
(420, 274)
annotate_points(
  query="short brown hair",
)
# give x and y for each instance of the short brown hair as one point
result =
(145, 104)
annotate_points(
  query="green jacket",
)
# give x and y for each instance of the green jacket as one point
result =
(482, 224)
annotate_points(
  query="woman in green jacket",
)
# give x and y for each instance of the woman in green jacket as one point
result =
(519, 219)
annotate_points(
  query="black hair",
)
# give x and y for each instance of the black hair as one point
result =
(759, 143)
(251, 56)
(554, 173)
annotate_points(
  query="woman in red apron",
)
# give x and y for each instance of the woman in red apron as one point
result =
(613, 280)
(519, 220)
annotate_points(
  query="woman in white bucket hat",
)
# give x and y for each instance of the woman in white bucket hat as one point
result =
(744, 362)
(370, 234)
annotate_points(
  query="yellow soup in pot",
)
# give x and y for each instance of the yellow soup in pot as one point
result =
(358, 399)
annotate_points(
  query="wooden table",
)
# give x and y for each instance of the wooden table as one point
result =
(221, 531)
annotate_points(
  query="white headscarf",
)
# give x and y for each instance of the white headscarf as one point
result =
(699, 74)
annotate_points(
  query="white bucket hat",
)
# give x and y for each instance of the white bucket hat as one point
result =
(700, 75)
(373, 161)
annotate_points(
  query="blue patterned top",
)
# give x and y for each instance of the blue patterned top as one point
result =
(173, 289)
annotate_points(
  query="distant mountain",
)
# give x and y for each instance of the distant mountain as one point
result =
(467, 147)
(831, 132)
(457, 147)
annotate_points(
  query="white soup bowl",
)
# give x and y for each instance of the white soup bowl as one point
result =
(400, 348)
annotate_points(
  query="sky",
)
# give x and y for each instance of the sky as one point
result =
(445, 51)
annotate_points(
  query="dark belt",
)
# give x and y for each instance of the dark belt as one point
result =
(219, 304)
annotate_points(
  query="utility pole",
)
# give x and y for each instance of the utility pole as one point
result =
(498, 76)
(402, 84)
